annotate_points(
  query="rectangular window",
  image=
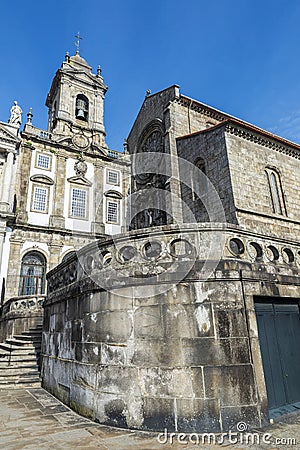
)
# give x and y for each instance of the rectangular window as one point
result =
(112, 215)
(43, 161)
(78, 203)
(113, 177)
(40, 199)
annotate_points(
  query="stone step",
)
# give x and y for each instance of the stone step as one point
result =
(17, 376)
(21, 385)
(26, 349)
(38, 329)
(17, 356)
(27, 337)
(13, 341)
(18, 363)
(32, 333)
(18, 372)
(19, 380)
(19, 368)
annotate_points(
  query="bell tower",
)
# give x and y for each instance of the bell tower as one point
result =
(76, 103)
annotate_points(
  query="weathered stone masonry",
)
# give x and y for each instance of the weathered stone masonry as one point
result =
(154, 342)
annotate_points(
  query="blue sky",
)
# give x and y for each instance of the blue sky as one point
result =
(241, 57)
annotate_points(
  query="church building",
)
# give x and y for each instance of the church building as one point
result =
(173, 291)
(61, 188)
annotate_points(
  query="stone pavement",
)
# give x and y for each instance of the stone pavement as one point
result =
(32, 419)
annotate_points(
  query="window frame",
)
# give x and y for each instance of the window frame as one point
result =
(37, 158)
(47, 189)
(87, 192)
(117, 172)
(39, 280)
(116, 202)
(276, 195)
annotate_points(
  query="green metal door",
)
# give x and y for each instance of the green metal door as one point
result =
(279, 337)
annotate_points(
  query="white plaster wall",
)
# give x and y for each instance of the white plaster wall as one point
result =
(35, 217)
(34, 245)
(78, 224)
(109, 227)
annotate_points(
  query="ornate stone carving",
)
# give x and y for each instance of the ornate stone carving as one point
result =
(152, 143)
(80, 166)
(80, 141)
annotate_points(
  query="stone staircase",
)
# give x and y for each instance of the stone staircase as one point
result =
(20, 360)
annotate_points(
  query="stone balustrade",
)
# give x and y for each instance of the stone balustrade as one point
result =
(24, 303)
(37, 132)
(20, 314)
(130, 258)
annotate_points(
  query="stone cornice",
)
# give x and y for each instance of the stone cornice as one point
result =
(201, 108)
(253, 134)
(241, 129)
(262, 137)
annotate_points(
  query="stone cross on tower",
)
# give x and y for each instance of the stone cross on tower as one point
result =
(77, 43)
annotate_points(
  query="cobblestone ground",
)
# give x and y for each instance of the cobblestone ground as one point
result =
(33, 419)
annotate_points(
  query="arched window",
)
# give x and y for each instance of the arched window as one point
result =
(68, 256)
(199, 182)
(32, 277)
(82, 107)
(195, 196)
(276, 194)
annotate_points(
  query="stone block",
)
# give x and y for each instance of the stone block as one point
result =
(198, 415)
(148, 321)
(119, 299)
(156, 352)
(87, 352)
(231, 416)
(82, 399)
(159, 413)
(110, 409)
(233, 385)
(107, 326)
(230, 323)
(208, 351)
(118, 380)
(163, 382)
(76, 331)
(197, 381)
(84, 375)
(114, 355)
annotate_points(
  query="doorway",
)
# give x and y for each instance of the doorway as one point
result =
(278, 322)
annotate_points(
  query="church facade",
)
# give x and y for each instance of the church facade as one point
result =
(184, 314)
(61, 189)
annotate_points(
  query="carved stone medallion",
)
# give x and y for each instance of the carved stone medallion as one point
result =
(80, 141)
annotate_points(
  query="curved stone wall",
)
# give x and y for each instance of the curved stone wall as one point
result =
(156, 329)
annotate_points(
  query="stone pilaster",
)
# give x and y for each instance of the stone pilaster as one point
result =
(57, 219)
(23, 182)
(170, 147)
(97, 224)
(14, 268)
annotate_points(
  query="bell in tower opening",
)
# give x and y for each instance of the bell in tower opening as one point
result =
(82, 107)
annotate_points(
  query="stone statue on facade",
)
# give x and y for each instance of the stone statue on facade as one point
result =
(15, 114)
